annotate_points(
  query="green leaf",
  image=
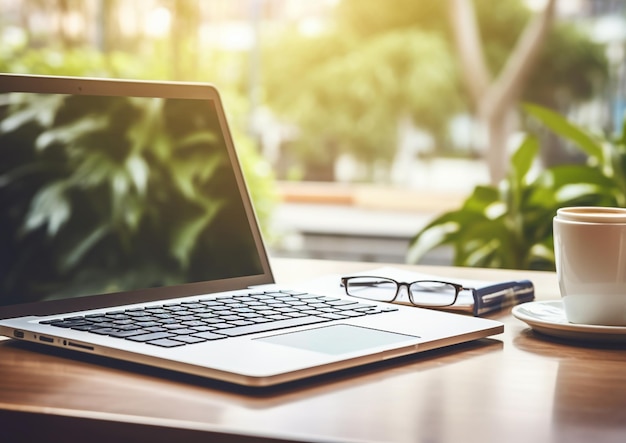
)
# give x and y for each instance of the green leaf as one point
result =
(430, 238)
(185, 237)
(71, 133)
(485, 244)
(50, 207)
(481, 199)
(75, 255)
(523, 158)
(139, 171)
(564, 128)
(445, 229)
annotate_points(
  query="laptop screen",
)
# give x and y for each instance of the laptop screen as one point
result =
(110, 194)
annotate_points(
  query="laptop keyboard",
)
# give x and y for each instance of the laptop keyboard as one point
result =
(178, 324)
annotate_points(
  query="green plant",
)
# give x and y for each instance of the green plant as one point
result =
(510, 225)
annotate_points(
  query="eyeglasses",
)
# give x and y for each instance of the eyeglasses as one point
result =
(424, 293)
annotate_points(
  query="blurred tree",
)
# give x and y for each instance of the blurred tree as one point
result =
(352, 92)
(185, 51)
(571, 66)
(571, 63)
(494, 99)
(369, 17)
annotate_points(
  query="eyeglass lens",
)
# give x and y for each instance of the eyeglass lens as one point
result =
(423, 293)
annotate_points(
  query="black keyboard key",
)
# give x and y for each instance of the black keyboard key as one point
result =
(242, 322)
(228, 318)
(209, 335)
(249, 315)
(188, 339)
(213, 321)
(308, 296)
(183, 331)
(295, 314)
(166, 343)
(156, 329)
(86, 327)
(204, 315)
(173, 326)
(202, 328)
(124, 327)
(147, 324)
(260, 319)
(388, 308)
(318, 305)
(117, 316)
(278, 317)
(341, 302)
(313, 311)
(193, 323)
(68, 323)
(293, 292)
(355, 306)
(349, 313)
(124, 334)
(332, 316)
(211, 303)
(177, 324)
(174, 308)
(104, 331)
(150, 336)
(137, 313)
(221, 325)
(192, 305)
(270, 326)
(155, 311)
(182, 318)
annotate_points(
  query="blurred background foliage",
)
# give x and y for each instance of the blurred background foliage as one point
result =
(348, 87)
(310, 84)
(109, 194)
(87, 61)
(510, 225)
(383, 60)
(351, 102)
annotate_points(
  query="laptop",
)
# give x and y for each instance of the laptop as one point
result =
(127, 231)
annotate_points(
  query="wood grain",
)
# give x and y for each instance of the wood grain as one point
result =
(518, 386)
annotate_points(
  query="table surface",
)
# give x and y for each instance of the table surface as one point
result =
(516, 386)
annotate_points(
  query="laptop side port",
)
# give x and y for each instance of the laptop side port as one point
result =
(78, 345)
(46, 339)
(18, 334)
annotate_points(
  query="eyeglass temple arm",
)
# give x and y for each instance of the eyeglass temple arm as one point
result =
(375, 281)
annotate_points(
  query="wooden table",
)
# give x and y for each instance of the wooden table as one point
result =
(518, 386)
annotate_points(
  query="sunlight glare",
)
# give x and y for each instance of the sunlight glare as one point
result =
(158, 22)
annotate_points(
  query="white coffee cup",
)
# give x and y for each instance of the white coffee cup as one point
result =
(590, 254)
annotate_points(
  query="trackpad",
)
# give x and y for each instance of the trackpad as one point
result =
(337, 339)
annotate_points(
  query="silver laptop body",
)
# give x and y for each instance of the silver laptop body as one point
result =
(125, 199)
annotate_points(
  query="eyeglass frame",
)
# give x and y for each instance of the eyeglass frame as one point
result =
(458, 288)
(491, 297)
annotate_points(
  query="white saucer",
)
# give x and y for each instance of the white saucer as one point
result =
(548, 317)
